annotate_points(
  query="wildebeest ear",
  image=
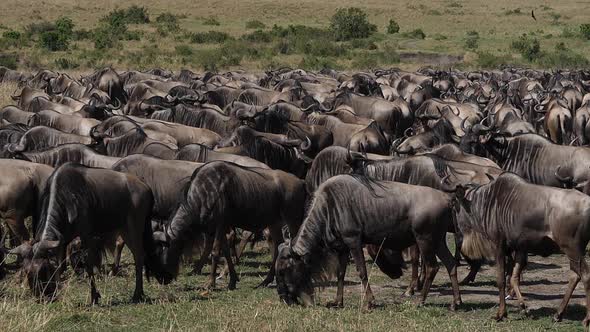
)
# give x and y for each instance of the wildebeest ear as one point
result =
(490, 177)
(25, 250)
(43, 247)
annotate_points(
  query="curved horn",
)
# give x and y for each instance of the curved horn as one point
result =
(465, 129)
(566, 180)
(306, 145)
(410, 130)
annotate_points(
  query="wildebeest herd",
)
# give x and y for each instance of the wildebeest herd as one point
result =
(325, 165)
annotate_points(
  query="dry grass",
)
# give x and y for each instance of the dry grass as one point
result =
(7, 90)
(445, 23)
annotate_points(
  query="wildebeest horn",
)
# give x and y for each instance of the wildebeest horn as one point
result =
(306, 145)
(24, 250)
(113, 107)
(159, 236)
(15, 147)
(409, 132)
(566, 180)
(465, 129)
(40, 248)
(538, 109)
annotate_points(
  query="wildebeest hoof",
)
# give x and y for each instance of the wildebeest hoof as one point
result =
(408, 293)
(370, 305)
(334, 305)
(138, 298)
(556, 318)
(509, 297)
(500, 316)
(95, 299)
(232, 285)
(263, 284)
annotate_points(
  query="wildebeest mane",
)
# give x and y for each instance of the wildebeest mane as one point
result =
(330, 162)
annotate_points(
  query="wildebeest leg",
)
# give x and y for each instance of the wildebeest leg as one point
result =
(431, 265)
(117, 260)
(246, 236)
(415, 259)
(361, 267)
(214, 260)
(135, 244)
(422, 274)
(276, 237)
(574, 278)
(515, 280)
(451, 265)
(342, 264)
(501, 281)
(92, 261)
(233, 276)
(198, 266)
(474, 267)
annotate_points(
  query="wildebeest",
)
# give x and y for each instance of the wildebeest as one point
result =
(510, 215)
(93, 204)
(221, 195)
(348, 212)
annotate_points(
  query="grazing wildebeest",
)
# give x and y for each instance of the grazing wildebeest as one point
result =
(223, 195)
(93, 204)
(348, 212)
(510, 215)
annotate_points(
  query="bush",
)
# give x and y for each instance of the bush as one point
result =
(585, 30)
(81, 34)
(183, 50)
(471, 40)
(8, 61)
(363, 44)
(259, 36)
(415, 34)
(132, 35)
(255, 24)
(104, 39)
(63, 63)
(38, 28)
(53, 41)
(528, 47)
(439, 36)
(210, 37)
(13, 38)
(65, 27)
(490, 61)
(131, 15)
(211, 21)
(11, 34)
(349, 23)
(392, 27)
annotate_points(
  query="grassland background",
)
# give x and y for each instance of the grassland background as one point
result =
(444, 22)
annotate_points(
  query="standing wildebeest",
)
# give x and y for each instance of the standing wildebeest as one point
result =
(222, 195)
(21, 186)
(510, 215)
(93, 204)
(348, 212)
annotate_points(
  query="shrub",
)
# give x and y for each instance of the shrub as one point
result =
(363, 44)
(103, 38)
(211, 21)
(563, 58)
(210, 37)
(471, 40)
(53, 41)
(392, 27)
(183, 50)
(259, 36)
(81, 34)
(585, 30)
(317, 63)
(13, 38)
(65, 26)
(415, 34)
(528, 47)
(9, 61)
(167, 18)
(11, 34)
(38, 28)
(349, 23)
(488, 60)
(568, 32)
(131, 15)
(137, 15)
(131, 35)
(255, 24)
(63, 63)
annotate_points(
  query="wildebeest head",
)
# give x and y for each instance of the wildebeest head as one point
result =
(164, 260)
(293, 277)
(41, 273)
